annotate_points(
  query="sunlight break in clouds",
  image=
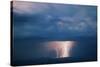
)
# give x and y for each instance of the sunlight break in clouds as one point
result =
(62, 48)
(28, 7)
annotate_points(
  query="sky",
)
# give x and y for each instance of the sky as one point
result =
(49, 20)
(36, 25)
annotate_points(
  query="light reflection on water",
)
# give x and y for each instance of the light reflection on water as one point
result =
(61, 48)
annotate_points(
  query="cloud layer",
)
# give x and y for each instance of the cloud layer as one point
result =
(46, 19)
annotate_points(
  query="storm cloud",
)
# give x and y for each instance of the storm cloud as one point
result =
(34, 19)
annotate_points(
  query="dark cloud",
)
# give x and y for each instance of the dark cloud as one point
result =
(47, 19)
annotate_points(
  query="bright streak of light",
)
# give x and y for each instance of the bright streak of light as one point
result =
(62, 48)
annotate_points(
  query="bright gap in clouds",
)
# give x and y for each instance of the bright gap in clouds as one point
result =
(22, 7)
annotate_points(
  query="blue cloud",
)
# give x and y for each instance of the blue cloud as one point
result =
(54, 20)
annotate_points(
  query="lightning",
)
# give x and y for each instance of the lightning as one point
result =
(62, 48)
